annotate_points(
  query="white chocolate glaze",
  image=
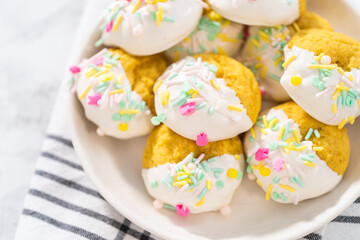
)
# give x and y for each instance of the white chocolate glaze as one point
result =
(149, 27)
(213, 188)
(258, 12)
(329, 95)
(192, 81)
(108, 100)
(210, 36)
(291, 171)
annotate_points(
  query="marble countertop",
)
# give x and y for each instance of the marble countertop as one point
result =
(35, 42)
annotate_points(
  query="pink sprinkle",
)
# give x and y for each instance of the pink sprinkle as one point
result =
(181, 210)
(109, 26)
(279, 165)
(93, 100)
(202, 140)
(262, 154)
(75, 69)
(263, 92)
(187, 109)
(98, 61)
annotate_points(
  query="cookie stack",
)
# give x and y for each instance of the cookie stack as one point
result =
(192, 73)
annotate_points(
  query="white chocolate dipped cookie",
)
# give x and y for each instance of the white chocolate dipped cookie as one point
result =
(293, 156)
(115, 90)
(207, 97)
(322, 75)
(263, 52)
(213, 34)
(151, 26)
(186, 178)
(260, 12)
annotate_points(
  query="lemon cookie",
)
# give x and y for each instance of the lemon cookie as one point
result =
(293, 156)
(115, 90)
(207, 96)
(184, 177)
(322, 75)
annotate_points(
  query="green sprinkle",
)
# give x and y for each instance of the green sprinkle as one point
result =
(273, 76)
(216, 175)
(248, 159)
(217, 170)
(286, 131)
(161, 117)
(143, 106)
(202, 193)
(273, 146)
(308, 134)
(166, 183)
(276, 195)
(249, 169)
(205, 166)
(219, 184)
(299, 181)
(99, 42)
(213, 159)
(172, 76)
(213, 68)
(200, 106)
(181, 177)
(116, 117)
(169, 207)
(155, 121)
(168, 19)
(317, 134)
(153, 183)
(193, 179)
(153, 15)
(132, 104)
(128, 93)
(276, 180)
(251, 139)
(200, 175)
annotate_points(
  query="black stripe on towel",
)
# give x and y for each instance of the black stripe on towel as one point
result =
(67, 142)
(347, 219)
(68, 183)
(61, 225)
(61, 160)
(313, 236)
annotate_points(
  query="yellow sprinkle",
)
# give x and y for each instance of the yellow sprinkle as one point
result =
(258, 182)
(215, 84)
(157, 85)
(123, 127)
(265, 121)
(108, 66)
(136, 7)
(287, 150)
(358, 103)
(297, 137)
(179, 183)
(264, 171)
(107, 77)
(117, 23)
(90, 73)
(225, 38)
(263, 131)
(222, 51)
(287, 187)
(295, 80)
(287, 62)
(190, 190)
(181, 173)
(277, 61)
(315, 66)
(117, 91)
(193, 93)
(232, 173)
(120, 79)
(101, 73)
(253, 133)
(226, 23)
(164, 97)
(235, 108)
(302, 148)
(259, 65)
(350, 77)
(317, 58)
(342, 123)
(296, 27)
(209, 184)
(336, 94)
(268, 191)
(255, 42)
(351, 119)
(318, 149)
(289, 140)
(334, 108)
(129, 111)
(341, 71)
(257, 166)
(309, 164)
(341, 86)
(160, 13)
(281, 133)
(237, 157)
(85, 92)
(263, 71)
(201, 202)
(273, 122)
(158, 21)
(186, 170)
(264, 36)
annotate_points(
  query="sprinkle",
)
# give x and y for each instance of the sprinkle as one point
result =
(308, 134)
(215, 84)
(179, 183)
(219, 184)
(341, 71)
(263, 131)
(209, 184)
(169, 207)
(297, 137)
(352, 119)
(334, 108)
(302, 148)
(253, 133)
(265, 121)
(211, 111)
(316, 66)
(273, 122)
(153, 183)
(186, 170)
(201, 139)
(268, 191)
(101, 73)
(235, 108)
(137, 5)
(342, 123)
(317, 134)
(276, 180)
(261, 154)
(157, 85)
(82, 96)
(205, 166)
(213, 68)
(201, 202)
(166, 183)
(318, 149)
(123, 127)
(287, 62)
(117, 91)
(213, 159)
(236, 156)
(296, 80)
(117, 23)
(309, 164)
(129, 111)
(164, 97)
(258, 182)
(281, 133)
(264, 171)
(232, 173)
(287, 187)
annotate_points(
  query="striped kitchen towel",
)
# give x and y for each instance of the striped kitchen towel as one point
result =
(62, 203)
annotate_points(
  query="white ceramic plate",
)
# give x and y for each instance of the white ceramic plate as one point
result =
(115, 168)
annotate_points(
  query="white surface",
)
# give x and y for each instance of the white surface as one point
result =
(34, 44)
(117, 176)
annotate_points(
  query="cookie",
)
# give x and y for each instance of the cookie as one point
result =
(322, 75)
(184, 177)
(115, 89)
(260, 12)
(263, 52)
(293, 156)
(213, 34)
(207, 97)
(151, 26)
